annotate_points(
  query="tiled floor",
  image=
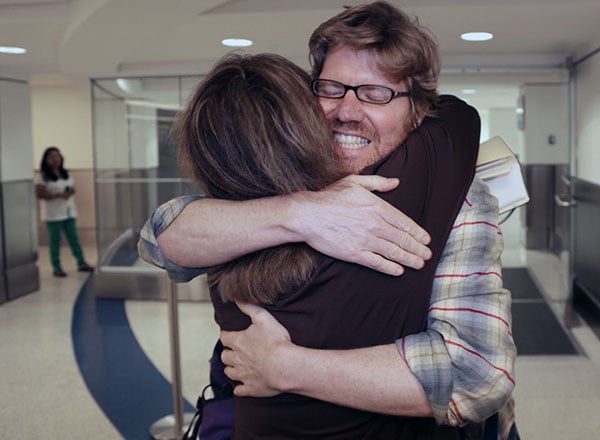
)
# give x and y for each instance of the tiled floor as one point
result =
(558, 397)
(44, 396)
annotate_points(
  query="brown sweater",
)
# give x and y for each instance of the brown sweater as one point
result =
(349, 306)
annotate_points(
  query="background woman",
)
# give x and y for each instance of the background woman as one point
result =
(58, 210)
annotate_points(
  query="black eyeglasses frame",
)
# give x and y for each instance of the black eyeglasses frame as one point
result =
(394, 93)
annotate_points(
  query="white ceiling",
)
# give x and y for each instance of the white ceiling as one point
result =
(116, 38)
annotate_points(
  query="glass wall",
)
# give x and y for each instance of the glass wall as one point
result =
(136, 170)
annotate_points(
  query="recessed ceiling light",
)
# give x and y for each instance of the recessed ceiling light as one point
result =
(477, 36)
(237, 42)
(12, 49)
(469, 91)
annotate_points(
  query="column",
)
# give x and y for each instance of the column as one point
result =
(18, 230)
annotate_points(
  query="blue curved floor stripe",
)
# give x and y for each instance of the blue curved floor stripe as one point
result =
(126, 385)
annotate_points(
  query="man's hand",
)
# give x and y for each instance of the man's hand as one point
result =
(345, 221)
(266, 363)
(248, 354)
(348, 222)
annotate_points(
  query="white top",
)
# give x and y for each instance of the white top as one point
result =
(58, 209)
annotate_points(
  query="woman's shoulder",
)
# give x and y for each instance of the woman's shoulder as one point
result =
(455, 114)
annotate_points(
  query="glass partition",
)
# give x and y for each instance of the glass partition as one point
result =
(135, 169)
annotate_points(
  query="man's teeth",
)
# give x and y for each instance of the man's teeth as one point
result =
(350, 142)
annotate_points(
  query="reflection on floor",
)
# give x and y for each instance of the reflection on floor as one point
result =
(557, 396)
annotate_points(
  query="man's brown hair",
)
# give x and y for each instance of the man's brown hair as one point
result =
(405, 50)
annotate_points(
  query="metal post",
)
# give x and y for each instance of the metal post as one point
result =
(171, 427)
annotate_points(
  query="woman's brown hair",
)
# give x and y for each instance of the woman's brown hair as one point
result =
(253, 129)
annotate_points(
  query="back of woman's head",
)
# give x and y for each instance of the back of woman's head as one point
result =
(253, 129)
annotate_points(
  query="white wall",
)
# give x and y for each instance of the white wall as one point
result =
(503, 123)
(62, 116)
(587, 119)
(546, 118)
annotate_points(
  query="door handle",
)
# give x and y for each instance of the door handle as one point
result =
(564, 200)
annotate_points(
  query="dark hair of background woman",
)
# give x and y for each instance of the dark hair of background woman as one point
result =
(47, 171)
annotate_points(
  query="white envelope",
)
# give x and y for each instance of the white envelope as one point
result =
(498, 167)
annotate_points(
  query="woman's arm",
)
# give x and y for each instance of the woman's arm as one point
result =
(41, 192)
(346, 221)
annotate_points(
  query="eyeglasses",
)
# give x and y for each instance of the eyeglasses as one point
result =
(370, 93)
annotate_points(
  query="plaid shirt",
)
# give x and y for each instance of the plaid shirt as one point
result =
(464, 360)
(160, 220)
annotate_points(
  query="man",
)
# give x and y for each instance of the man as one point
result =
(460, 369)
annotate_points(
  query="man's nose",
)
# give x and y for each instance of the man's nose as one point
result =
(350, 108)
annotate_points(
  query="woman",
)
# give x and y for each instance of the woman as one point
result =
(253, 129)
(58, 209)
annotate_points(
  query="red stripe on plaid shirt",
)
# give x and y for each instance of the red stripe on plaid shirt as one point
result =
(466, 309)
(473, 352)
(466, 275)
(457, 411)
(492, 225)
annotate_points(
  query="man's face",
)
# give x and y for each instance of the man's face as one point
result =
(364, 133)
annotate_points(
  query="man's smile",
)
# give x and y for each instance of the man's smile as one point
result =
(350, 142)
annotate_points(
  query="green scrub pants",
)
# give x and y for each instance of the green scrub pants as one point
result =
(54, 234)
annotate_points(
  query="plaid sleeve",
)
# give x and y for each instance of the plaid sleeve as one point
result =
(160, 220)
(465, 359)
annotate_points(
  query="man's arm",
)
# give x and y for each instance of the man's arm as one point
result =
(345, 221)
(159, 221)
(460, 369)
(465, 359)
(267, 363)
